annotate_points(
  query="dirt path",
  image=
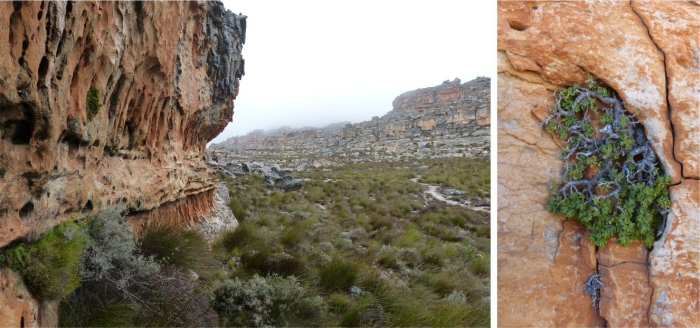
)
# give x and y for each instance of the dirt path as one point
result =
(433, 191)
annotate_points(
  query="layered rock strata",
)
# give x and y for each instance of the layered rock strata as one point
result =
(449, 120)
(167, 74)
(646, 52)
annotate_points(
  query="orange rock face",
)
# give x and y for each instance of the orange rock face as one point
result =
(624, 300)
(675, 29)
(543, 259)
(449, 94)
(675, 262)
(644, 51)
(167, 74)
(17, 306)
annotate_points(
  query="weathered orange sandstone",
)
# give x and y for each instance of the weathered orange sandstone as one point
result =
(648, 53)
(167, 75)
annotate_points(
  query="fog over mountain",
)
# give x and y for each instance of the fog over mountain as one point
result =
(316, 63)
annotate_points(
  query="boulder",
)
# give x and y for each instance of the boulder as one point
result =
(453, 192)
(288, 183)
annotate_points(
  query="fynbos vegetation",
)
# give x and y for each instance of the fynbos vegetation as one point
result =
(358, 245)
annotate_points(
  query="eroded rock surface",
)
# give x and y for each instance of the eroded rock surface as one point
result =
(17, 306)
(675, 262)
(167, 74)
(645, 52)
(449, 120)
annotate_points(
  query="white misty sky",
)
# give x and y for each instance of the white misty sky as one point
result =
(312, 63)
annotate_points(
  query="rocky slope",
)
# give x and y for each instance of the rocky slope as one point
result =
(647, 52)
(167, 74)
(449, 120)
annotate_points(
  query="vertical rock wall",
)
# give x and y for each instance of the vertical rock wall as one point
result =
(648, 52)
(167, 74)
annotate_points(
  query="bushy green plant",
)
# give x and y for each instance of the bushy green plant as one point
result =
(238, 209)
(93, 103)
(123, 287)
(49, 266)
(245, 234)
(338, 274)
(259, 301)
(112, 251)
(480, 266)
(175, 245)
(612, 183)
(363, 311)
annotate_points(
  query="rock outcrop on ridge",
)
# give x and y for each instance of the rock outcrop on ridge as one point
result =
(646, 52)
(449, 120)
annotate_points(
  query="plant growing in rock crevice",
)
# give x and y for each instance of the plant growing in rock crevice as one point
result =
(93, 103)
(612, 184)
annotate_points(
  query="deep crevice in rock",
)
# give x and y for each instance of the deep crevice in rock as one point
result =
(673, 144)
(43, 69)
(668, 102)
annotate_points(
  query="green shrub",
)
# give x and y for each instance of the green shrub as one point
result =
(112, 251)
(258, 302)
(338, 274)
(611, 183)
(175, 245)
(339, 302)
(291, 237)
(364, 311)
(93, 103)
(49, 266)
(238, 209)
(245, 234)
(409, 237)
(123, 287)
(266, 263)
(480, 266)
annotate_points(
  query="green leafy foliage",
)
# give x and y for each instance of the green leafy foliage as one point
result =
(49, 266)
(611, 182)
(93, 103)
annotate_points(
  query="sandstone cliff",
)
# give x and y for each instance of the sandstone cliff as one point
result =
(648, 53)
(448, 120)
(167, 74)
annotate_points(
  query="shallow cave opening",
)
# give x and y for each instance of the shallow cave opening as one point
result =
(43, 69)
(88, 207)
(27, 209)
(22, 133)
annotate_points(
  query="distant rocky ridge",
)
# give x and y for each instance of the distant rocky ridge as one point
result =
(448, 120)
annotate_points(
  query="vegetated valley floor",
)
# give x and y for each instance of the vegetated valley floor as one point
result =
(366, 244)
